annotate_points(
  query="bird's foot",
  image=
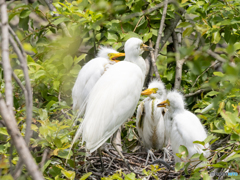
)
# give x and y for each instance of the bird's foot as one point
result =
(153, 157)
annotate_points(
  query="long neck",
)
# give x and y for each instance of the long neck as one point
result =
(138, 61)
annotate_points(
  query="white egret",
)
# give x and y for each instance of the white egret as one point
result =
(90, 74)
(149, 119)
(183, 127)
(114, 97)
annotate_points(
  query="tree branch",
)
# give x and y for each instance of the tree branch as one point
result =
(62, 24)
(28, 95)
(154, 62)
(197, 92)
(179, 63)
(161, 29)
(5, 56)
(18, 141)
(171, 26)
(216, 56)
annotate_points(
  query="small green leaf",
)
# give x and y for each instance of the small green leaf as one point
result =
(23, 23)
(25, 13)
(46, 165)
(56, 85)
(216, 37)
(85, 176)
(60, 20)
(3, 130)
(179, 165)
(202, 158)
(187, 31)
(184, 24)
(220, 74)
(57, 142)
(183, 151)
(69, 174)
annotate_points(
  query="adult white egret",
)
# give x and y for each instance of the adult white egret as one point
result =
(149, 119)
(114, 97)
(183, 127)
(90, 74)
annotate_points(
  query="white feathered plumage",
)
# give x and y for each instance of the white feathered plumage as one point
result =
(88, 76)
(149, 120)
(114, 97)
(183, 127)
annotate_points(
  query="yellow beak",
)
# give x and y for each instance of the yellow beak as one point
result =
(164, 103)
(147, 48)
(149, 91)
(113, 56)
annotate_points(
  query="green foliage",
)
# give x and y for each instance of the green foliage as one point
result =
(54, 61)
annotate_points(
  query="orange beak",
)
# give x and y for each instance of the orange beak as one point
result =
(164, 103)
(113, 56)
(149, 91)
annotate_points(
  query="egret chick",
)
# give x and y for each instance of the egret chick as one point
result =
(90, 73)
(183, 127)
(149, 120)
(114, 98)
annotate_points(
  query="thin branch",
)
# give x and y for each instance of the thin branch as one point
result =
(179, 63)
(154, 62)
(62, 24)
(215, 63)
(28, 95)
(158, 6)
(171, 26)
(18, 141)
(216, 56)
(137, 24)
(5, 56)
(44, 158)
(161, 28)
(16, 39)
(197, 92)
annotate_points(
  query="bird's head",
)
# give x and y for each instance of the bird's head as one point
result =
(109, 53)
(156, 89)
(135, 47)
(174, 101)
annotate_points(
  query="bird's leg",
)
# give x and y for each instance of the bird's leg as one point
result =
(153, 157)
(100, 155)
(116, 146)
(116, 139)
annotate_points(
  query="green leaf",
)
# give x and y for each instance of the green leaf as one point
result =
(69, 174)
(64, 153)
(218, 73)
(212, 93)
(85, 176)
(229, 118)
(233, 157)
(199, 142)
(202, 158)
(39, 74)
(7, 177)
(187, 31)
(183, 24)
(57, 142)
(179, 165)
(68, 61)
(46, 165)
(56, 85)
(117, 45)
(60, 20)
(147, 36)
(183, 151)
(25, 13)
(23, 23)
(216, 37)
(80, 58)
(3, 130)
(195, 156)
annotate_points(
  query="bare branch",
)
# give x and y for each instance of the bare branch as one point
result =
(18, 141)
(171, 26)
(154, 63)
(5, 56)
(63, 25)
(216, 56)
(215, 63)
(179, 63)
(197, 92)
(28, 95)
(44, 158)
(161, 28)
